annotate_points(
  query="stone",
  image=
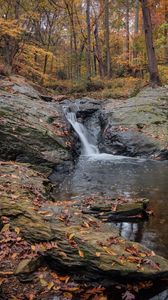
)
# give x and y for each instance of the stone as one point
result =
(137, 126)
(27, 133)
(27, 266)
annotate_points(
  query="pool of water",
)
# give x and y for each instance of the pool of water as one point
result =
(109, 175)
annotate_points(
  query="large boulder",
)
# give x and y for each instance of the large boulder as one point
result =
(137, 126)
(31, 130)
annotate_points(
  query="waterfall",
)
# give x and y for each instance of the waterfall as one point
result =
(88, 148)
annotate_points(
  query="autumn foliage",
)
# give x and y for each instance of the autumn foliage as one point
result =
(48, 39)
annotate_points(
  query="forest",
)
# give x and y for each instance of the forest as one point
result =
(83, 149)
(76, 41)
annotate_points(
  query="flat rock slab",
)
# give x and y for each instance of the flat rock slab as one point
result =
(117, 209)
(68, 240)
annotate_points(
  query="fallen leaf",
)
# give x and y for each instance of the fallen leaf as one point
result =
(2, 280)
(17, 230)
(14, 255)
(109, 251)
(33, 247)
(5, 273)
(81, 254)
(71, 236)
(43, 282)
(50, 285)
(5, 228)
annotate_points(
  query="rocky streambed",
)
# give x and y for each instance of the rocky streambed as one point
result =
(41, 232)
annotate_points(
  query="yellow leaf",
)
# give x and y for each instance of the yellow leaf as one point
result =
(64, 278)
(98, 254)
(33, 247)
(5, 228)
(85, 224)
(50, 285)
(81, 254)
(109, 251)
(71, 236)
(17, 230)
(43, 282)
(67, 279)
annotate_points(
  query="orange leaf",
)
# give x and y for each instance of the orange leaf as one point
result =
(50, 285)
(81, 254)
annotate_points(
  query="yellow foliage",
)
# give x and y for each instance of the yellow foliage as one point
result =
(10, 28)
(163, 72)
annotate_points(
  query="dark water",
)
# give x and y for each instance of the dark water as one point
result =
(129, 177)
(119, 176)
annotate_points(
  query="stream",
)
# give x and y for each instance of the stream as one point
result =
(105, 175)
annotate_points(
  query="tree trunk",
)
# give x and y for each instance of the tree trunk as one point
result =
(45, 64)
(106, 37)
(166, 33)
(94, 60)
(136, 17)
(97, 49)
(152, 62)
(88, 49)
(136, 30)
(127, 49)
(17, 9)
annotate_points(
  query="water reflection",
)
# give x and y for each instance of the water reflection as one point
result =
(126, 177)
(131, 231)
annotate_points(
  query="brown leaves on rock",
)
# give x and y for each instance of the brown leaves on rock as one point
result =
(12, 246)
(45, 246)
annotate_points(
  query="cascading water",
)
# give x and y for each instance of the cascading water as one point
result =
(88, 148)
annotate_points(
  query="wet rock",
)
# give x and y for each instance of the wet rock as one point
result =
(27, 133)
(128, 143)
(137, 126)
(27, 266)
(118, 210)
(87, 107)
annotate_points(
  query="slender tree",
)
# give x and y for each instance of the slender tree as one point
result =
(166, 31)
(136, 28)
(136, 17)
(88, 48)
(127, 42)
(152, 62)
(107, 39)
